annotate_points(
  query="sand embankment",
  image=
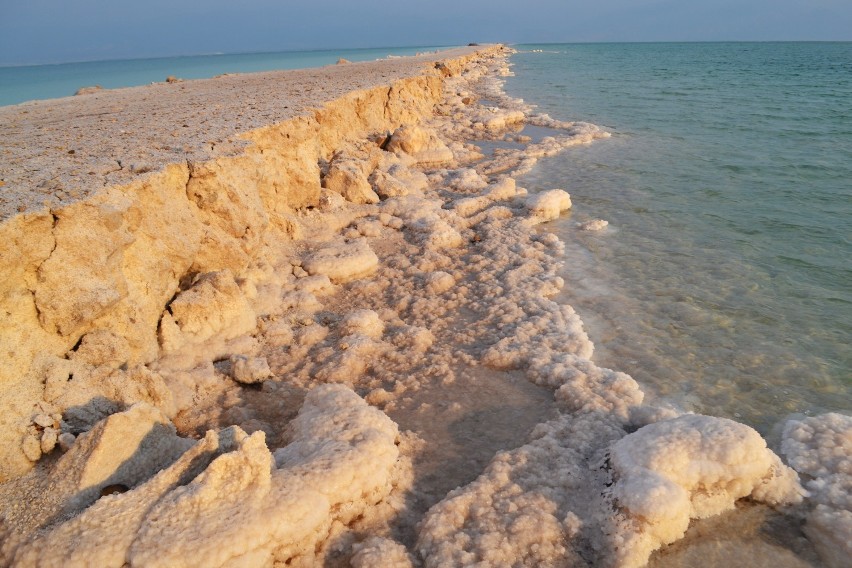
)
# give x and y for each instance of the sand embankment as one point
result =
(110, 199)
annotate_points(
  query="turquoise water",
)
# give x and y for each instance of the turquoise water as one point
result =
(724, 280)
(24, 83)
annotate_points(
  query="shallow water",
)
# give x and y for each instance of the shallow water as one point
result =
(722, 281)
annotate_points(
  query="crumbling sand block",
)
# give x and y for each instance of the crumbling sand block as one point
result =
(347, 179)
(421, 144)
(213, 306)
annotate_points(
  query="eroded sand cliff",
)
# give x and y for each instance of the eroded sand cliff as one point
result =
(110, 200)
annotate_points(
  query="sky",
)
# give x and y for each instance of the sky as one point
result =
(52, 31)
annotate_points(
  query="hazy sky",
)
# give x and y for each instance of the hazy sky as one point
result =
(38, 31)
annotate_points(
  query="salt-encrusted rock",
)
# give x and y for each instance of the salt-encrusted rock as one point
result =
(31, 446)
(213, 307)
(343, 262)
(820, 448)
(347, 178)
(122, 450)
(66, 441)
(547, 205)
(278, 333)
(49, 439)
(44, 420)
(95, 393)
(551, 503)
(593, 225)
(343, 61)
(421, 144)
(249, 370)
(414, 180)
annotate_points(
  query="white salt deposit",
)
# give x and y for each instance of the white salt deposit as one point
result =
(225, 501)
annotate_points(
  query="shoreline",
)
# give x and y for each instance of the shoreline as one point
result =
(406, 268)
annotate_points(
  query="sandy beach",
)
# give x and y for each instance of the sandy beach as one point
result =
(305, 318)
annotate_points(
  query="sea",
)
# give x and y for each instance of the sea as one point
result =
(29, 82)
(723, 282)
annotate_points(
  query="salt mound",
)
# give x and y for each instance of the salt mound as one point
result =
(362, 321)
(690, 467)
(820, 448)
(547, 206)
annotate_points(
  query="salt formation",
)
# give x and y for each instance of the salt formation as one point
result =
(224, 500)
(417, 271)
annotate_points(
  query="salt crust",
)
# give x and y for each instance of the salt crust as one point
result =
(454, 233)
(820, 448)
(226, 501)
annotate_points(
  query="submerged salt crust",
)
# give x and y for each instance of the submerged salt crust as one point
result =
(323, 376)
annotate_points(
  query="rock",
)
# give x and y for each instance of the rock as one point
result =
(343, 61)
(102, 347)
(49, 438)
(443, 69)
(249, 370)
(386, 186)
(44, 421)
(173, 79)
(366, 322)
(31, 446)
